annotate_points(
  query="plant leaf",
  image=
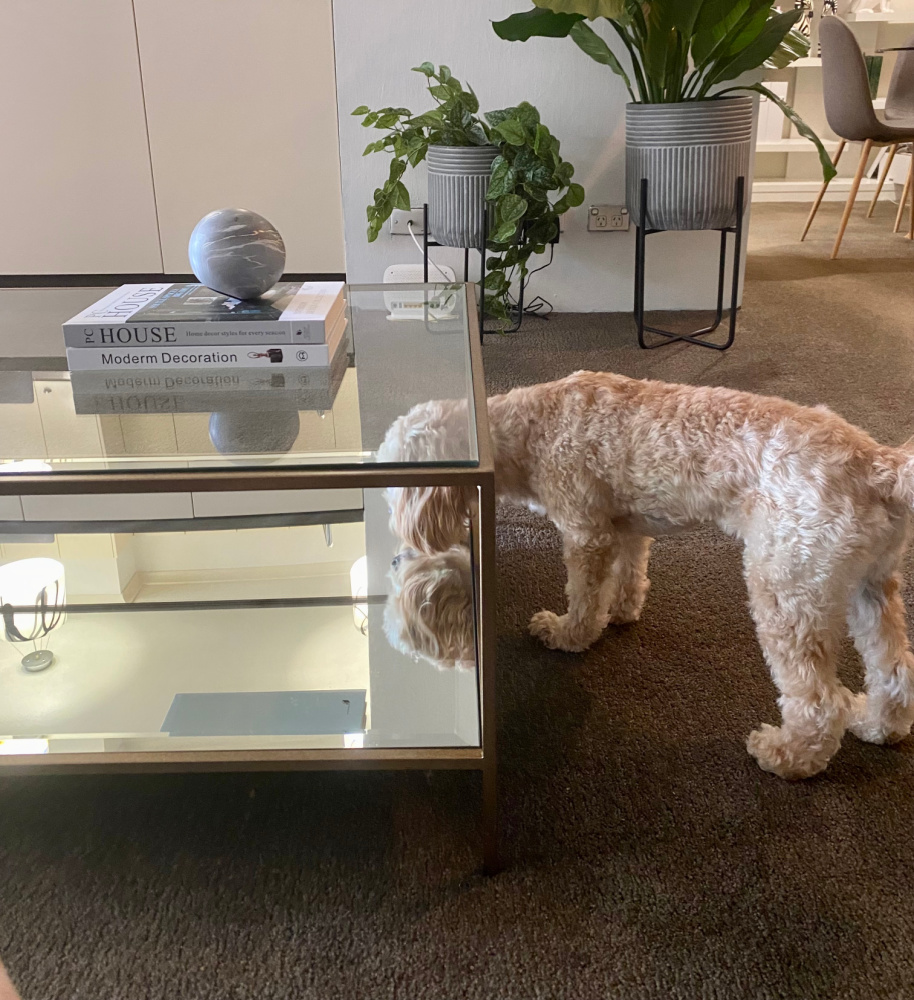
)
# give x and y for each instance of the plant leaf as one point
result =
(535, 24)
(715, 20)
(511, 207)
(795, 46)
(427, 69)
(828, 168)
(362, 109)
(588, 8)
(590, 42)
(761, 48)
(503, 179)
(511, 131)
(401, 197)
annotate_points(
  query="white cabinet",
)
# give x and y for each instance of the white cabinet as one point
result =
(76, 192)
(241, 106)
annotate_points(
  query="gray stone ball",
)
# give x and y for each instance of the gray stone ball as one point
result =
(248, 432)
(237, 253)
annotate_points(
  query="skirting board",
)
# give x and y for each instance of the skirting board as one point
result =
(806, 191)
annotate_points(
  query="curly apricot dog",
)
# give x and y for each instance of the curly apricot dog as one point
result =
(821, 508)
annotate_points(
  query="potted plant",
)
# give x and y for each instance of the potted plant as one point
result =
(507, 160)
(685, 131)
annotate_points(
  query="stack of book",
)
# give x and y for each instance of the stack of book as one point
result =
(149, 327)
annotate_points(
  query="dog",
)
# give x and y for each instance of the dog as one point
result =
(429, 611)
(821, 508)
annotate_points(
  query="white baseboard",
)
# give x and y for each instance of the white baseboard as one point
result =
(781, 190)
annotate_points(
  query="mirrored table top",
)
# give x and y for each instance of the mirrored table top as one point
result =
(404, 345)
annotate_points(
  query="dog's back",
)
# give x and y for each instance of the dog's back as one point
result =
(683, 454)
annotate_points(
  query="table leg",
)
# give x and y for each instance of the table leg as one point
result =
(487, 608)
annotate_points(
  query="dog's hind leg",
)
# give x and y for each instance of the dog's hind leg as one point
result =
(628, 584)
(797, 635)
(876, 621)
(589, 563)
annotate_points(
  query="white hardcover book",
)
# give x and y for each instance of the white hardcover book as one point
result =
(273, 357)
(160, 314)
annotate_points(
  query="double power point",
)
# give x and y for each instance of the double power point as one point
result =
(607, 219)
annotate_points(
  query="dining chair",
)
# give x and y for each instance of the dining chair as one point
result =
(849, 112)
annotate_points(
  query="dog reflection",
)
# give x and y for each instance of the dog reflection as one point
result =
(429, 613)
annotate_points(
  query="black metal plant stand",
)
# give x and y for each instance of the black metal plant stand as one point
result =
(426, 243)
(641, 235)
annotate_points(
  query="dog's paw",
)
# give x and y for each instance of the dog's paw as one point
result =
(877, 730)
(624, 614)
(780, 753)
(554, 631)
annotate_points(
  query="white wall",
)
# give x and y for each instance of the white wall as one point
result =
(241, 104)
(76, 190)
(377, 41)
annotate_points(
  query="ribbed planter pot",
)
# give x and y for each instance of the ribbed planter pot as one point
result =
(691, 154)
(458, 178)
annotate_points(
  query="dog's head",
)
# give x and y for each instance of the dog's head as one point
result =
(429, 518)
(429, 612)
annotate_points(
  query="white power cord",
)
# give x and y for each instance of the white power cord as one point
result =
(409, 226)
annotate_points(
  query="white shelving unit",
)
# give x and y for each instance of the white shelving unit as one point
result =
(787, 169)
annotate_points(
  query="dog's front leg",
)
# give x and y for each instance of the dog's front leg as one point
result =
(589, 562)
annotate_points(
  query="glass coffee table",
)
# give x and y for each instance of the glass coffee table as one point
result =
(195, 565)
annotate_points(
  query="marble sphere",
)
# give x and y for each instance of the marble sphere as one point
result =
(237, 253)
(249, 432)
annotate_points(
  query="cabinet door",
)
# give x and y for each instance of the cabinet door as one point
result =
(76, 192)
(241, 106)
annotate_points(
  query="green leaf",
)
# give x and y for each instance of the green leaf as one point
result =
(575, 195)
(588, 8)
(444, 73)
(795, 46)
(362, 109)
(511, 207)
(512, 131)
(427, 69)
(828, 168)
(715, 20)
(590, 42)
(503, 179)
(527, 115)
(441, 91)
(760, 49)
(401, 197)
(542, 142)
(535, 24)
(430, 119)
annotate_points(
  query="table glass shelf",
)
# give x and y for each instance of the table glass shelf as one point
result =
(404, 345)
(228, 640)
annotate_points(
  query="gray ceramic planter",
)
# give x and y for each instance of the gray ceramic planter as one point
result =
(691, 154)
(458, 178)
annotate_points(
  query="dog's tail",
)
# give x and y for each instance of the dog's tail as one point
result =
(895, 473)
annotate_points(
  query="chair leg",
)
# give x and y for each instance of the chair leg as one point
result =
(904, 196)
(893, 149)
(822, 190)
(911, 230)
(852, 196)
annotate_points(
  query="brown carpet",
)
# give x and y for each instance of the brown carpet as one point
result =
(648, 857)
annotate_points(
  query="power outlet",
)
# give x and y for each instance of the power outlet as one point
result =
(400, 219)
(607, 219)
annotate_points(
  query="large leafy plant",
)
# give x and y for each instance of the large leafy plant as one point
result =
(679, 50)
(530, 185)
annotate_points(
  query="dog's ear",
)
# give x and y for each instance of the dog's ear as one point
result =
(431, 518)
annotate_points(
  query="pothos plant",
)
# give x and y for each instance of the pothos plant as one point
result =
(530, 185)
(679, 50)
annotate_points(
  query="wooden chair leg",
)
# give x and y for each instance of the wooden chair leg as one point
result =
(822, 190)
(893, 149)
(904, 197)
(911, 230)
(852, 196)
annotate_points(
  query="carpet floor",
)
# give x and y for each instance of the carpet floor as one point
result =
(648, 858)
